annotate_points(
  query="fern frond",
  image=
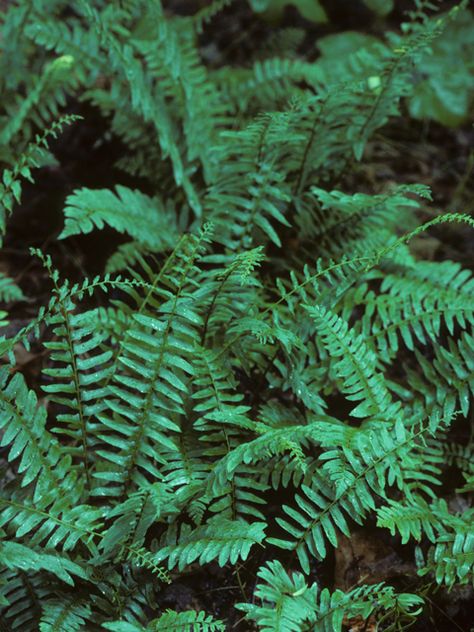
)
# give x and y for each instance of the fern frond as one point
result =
(207, 13)
(188, 621)
(348, 489)
(340, 218)
(45, 98)
(250, 193)
(32, 157)
(64, 614)
(50, 522)
(19, 556)
(148, 389)
(79, 363)
(23, 593)
(354, 364)
(413, 306)
(451, 560)
(145, 219)
(9, 290)
(221, 540)
(447, 382)
(290, 605)
(43, 461)
(132, 518)
(271, 442)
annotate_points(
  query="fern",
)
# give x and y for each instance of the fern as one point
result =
(355, 477)
(291, 605)
(87, 209)
(182, 621)
(59, 615)
(277, 363)
(354, 365)
(221, 540)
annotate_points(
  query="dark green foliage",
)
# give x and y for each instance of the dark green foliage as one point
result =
(291, 605)
(259, 288)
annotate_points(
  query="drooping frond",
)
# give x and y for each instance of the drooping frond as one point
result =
(50, 522)
(221, 540)
(35, 155)
(127, 211)
(448, 381)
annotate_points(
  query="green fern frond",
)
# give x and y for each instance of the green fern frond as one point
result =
(452, 560)
(188, 621)
(207, 13)
(50, 521)
(221, 540)
(23, 593)
(354, 364)
(145, 219)
(290, 605)
(76, 356)
(250, 193)
(43, 462)
(44, 100)
(148, 388)
(447, 381)
(63, 614)
(33, 156)
(269, 443)
(19, 556)
(413, 306)
(9, 290)
(347, 485)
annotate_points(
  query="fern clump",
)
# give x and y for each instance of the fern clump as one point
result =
(266, 364)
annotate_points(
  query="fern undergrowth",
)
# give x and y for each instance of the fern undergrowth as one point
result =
(265, 365)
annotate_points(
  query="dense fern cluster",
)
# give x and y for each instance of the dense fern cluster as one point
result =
(265, 363)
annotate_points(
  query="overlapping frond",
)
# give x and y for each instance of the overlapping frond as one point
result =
(289, 604)
(245, 390)
(348, 484)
